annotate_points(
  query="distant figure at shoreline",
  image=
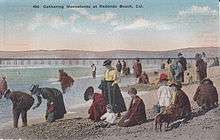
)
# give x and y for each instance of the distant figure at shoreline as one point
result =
(93, 71)
(119, 66)
(137, 68)
(65, 80)
(176, 69)
(125, 69)
(201, 67)
(22, 102)
(183, 62)
(98, 107)
(136, 114)
(55, 104)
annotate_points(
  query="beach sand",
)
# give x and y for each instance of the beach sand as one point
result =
(76, 126)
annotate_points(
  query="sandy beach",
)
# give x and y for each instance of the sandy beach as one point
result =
(75, 125)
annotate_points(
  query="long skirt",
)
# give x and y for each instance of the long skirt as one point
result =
(113, 96)
(59, 109)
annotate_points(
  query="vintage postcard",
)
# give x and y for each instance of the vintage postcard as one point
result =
(109, 69)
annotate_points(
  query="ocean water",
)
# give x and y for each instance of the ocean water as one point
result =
(21, 78)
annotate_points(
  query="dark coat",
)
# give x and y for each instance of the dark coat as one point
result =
(137, 69)
(119, 66)
(136, 114)
(55, 96)
(98, 107)
(21, 100)
(201, 68)
(182, 104)
(206, 95)
(65, 80)
(113, 93)
(183, 62)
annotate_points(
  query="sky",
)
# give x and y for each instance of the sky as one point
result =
(160, 25)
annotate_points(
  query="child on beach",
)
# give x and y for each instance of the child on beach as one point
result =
(108, 118)
(164, 93)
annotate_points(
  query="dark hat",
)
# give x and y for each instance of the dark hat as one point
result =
(33, 88)
(107, 62)
(178, 85)
(88, 92)
(207, 80)
(132, 90)
(61, 70)
(137, 59)
(169, 60)
(179, 54)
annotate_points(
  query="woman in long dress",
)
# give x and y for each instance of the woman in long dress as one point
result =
(55, 104)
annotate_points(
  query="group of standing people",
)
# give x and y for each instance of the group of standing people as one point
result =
(122, 67)
(176, 69)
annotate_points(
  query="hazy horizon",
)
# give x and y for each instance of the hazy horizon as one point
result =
(106, 50)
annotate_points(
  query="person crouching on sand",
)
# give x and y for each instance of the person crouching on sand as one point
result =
(55, 103)
(136, 114)
(98, 107)
(164, 93)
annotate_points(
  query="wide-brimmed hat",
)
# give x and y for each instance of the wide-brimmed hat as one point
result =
(163, 77)
(88, 91)
(107, 62)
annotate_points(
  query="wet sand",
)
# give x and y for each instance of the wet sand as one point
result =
(76, 126)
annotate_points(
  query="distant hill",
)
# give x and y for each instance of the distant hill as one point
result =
(188, 52)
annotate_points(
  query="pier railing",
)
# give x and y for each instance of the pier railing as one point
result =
(79, 61)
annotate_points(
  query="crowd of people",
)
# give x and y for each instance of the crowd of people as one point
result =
(109, 104)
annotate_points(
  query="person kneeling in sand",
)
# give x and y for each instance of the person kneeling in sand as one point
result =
(98, 107)
(136, 114)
